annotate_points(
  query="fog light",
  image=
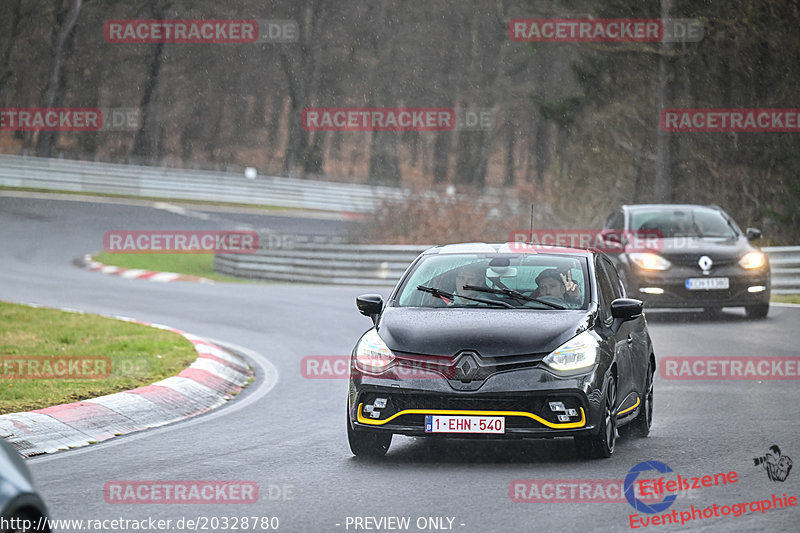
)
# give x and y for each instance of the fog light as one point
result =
(756, 288)
(376, 414)
(367, 408)
(572, 412)
(557, 406)
(651, 290)
(563, 418)
(380, 403)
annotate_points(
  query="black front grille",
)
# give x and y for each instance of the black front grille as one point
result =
(537, 405)
(690, 260)
(486, 366)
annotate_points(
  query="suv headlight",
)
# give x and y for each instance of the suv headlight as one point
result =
(752, 260)
(372, 354)
(578, 352)
(649, 261)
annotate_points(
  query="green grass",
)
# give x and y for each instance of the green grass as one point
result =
(786, 298)
(138, 355)
(201, 265)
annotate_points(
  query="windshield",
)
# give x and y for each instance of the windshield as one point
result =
(527, 281)
(683, 222)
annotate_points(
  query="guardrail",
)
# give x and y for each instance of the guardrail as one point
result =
(322, 260)
(784, 262)
(308, 259)
(158, 182)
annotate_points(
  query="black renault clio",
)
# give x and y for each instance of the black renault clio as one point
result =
(502, 341)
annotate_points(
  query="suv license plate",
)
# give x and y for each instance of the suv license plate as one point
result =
(706, 284)
(465, 424)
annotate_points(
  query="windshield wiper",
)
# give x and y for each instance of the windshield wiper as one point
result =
(439, 293)
(513, 294)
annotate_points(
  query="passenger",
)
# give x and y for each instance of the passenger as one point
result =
(553, 283)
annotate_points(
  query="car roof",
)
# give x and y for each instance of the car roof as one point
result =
(509, 248)
(635, 207)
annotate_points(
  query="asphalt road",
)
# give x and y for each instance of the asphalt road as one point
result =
(287, 434)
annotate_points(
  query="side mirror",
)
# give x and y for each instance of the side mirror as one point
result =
(626, 309)
(370, 305)
(614, 240)
(753, 234)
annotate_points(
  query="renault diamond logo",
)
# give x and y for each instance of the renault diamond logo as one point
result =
(466, 367)
(705, 263)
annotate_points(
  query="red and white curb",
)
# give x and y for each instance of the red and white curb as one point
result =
(211, 380)
(91, 265)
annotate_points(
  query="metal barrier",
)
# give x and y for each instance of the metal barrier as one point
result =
(308, 261)
(320, 260)
(157, 182)
(784, 262)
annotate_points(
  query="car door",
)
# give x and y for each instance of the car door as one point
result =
(610, 289)
(638, 341)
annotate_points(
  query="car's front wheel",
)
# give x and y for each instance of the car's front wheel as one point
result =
(640, 427)
(367, 443)
(602, 445)
(757, 311)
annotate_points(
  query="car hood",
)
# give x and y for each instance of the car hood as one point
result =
(490, 332)
(714, 247)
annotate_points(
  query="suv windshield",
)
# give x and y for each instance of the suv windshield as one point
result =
(497, 281)
(683, 222)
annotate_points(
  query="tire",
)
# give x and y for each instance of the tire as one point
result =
(757, 312)
(367, 443)
(602, 445)
(640, 426)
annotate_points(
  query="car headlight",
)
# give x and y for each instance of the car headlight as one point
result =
(372, 354)
(649, 261)
(752, 260)
(578, 352)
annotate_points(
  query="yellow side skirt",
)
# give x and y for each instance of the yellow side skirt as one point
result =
(630, 408)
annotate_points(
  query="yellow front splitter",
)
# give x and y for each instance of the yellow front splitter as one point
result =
(565, 425)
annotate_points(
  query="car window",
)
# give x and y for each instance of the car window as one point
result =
(606, 291)
(683, 222)
(492, 272)
(613, 277)
(615, 221)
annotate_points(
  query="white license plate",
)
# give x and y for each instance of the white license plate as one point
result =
(465, 424)
(707, 284)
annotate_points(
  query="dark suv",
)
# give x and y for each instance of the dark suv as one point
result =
(700, 258)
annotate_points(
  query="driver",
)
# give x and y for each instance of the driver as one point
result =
(472, 274)
(553, 283)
